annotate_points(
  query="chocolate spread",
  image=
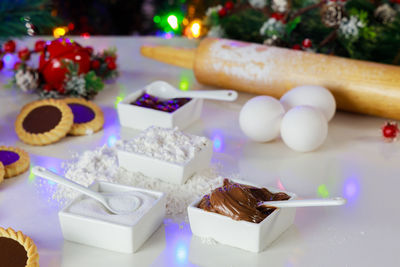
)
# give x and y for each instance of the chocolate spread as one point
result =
(12, 253)
(240, 202)
(42, 119)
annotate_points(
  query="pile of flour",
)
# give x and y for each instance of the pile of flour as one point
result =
(102, 164)
(165, 144)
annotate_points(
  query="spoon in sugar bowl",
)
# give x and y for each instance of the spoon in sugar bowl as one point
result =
(297, 203)
(117, 203)
(164, 90)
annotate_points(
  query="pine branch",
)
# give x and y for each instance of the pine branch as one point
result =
(303, 10)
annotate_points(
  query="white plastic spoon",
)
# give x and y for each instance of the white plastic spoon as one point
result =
(109, 201)
(165, 91)
(337, 201)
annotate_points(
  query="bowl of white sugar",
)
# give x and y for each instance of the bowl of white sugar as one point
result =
(167, 154)
(88, 222)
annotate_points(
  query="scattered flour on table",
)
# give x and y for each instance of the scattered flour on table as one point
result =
(209, 241)
(165, 144)
(102, 164)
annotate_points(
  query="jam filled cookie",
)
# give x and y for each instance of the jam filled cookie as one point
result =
(88, 117)
(2, 172)
(44, 122)
(17, 249)
(14, 160)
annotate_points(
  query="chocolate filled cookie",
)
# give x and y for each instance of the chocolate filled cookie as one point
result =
(44, 122)
(17, 249)
(13, 160)
(88, 117)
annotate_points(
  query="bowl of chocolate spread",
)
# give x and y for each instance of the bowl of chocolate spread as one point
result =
(231, 214)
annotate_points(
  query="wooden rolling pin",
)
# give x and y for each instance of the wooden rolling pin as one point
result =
(358, 86)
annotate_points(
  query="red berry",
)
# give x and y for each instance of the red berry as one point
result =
(9, 46)
(1, 64)
(222, 12)
(229, 5)
(40, 45)
(390, 130)
(278, 16)
(111, 65)
(89, 49)
(17, 65)
(109, 59)
(296, 47)
(24, 54)
(61, 89)
(47, 87)
(95, 64)
(307, 43)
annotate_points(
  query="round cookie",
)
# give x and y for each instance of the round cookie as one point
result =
(17, 249)
(88, 117)
(14, 161)
(2, 172)
(44, 122)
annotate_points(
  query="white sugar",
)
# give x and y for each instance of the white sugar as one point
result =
(89, 207)
(165, 144)
(102, 164)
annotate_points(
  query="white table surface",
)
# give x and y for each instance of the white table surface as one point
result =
(354, 163)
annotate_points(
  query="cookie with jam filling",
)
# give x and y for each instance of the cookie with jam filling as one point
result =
(2, 172)
(44, 122)
(14, 161)
(88, 117)
(17, 249)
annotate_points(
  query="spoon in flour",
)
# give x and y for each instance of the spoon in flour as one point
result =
(336, 201)
(166, 91)
(117, 203)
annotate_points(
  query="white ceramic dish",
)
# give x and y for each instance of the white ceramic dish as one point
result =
(141, 118)
(167, 171)
(108, 235)
(254, 237)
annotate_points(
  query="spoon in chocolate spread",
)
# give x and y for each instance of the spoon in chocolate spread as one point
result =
(336, 201)
(111, 201)
(165, 90)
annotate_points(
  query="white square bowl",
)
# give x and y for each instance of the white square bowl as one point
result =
(112, 236)
(254, 237)
(167, 171)
(141, 118)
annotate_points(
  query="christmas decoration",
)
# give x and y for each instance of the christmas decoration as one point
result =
(65, 69)
(390, 131)
(25, 17)
(360, 29)
(27, 79)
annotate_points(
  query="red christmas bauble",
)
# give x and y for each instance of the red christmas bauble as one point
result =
(24, 54)
(229, 5)
(307, 43)
(222, 12)
(51, 63)
(40, 45)
(390, 130)
(9, 46)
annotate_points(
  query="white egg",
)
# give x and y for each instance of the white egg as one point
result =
(304, 128)
(310, 95)
(260, 118)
